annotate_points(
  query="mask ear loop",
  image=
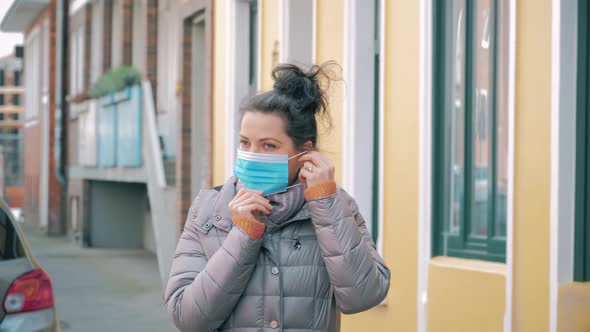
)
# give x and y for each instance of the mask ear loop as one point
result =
(297, 155)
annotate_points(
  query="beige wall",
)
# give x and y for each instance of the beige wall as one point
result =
(330, 47)
(463, 294)
(269, 43)
(532, 166)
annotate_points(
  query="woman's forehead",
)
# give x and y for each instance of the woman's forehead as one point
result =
(258, 125)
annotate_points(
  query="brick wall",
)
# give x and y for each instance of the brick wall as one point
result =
(32, 161)
(106, 35)
(127, 31)
(87, 46)
(152, 46)
(56, 220)
(32, 142)
(183, 160)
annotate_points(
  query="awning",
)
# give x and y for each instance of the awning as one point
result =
(21, 15)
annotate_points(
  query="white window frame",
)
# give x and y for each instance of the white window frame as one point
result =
(358, 128)
(237, 66)
(564, 61)
(32, 77)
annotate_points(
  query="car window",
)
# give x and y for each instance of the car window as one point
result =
(10, 245)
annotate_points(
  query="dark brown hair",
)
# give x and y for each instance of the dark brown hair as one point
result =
(298, 96)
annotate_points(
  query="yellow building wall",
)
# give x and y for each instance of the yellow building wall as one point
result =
(532, 166)
(330, 46)
(574, 307)
(466, 295)
(218, 76)
(401, 133)
(269, 41)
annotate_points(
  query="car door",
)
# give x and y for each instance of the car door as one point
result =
(14, 260)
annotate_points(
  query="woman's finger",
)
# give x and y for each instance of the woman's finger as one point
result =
(256, 199)
(305, 175)
(249, 198)
(250, 208)
(243, 193)
(315, 158)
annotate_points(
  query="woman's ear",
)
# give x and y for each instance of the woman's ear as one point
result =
(308, 146)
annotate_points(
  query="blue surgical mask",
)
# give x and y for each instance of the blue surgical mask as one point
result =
(268, 173)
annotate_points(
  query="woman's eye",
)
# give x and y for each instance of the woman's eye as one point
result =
(270, 146)
(243, 143)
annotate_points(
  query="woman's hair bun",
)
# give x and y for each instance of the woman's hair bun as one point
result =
(304, 87)
(299, 96)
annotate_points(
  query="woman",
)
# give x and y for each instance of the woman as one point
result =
(279, 246)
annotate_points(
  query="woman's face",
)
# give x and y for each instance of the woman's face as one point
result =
(265, 133)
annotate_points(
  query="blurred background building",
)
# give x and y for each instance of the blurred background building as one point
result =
(461, 128)
(11, 127)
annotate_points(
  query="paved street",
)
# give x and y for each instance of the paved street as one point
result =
(102, 290)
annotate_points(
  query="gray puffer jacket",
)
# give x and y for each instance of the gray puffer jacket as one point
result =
(317, 263)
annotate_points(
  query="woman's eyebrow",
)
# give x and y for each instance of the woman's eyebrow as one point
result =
(269, 138)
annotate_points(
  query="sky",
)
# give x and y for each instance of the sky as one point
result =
(8, 40)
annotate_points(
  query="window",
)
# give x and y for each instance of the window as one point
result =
(297, 37)
(10, 246)
(2, 102)
(96, 40)
(77, 62)
(15, 100)
(17, 81)
(243, 68)
(253, 49)
(470, 139)
(2, 77)
(362, 71)
(33, 75)
(582, 201)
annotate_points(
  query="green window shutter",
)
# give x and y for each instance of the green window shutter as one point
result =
(582, 200)
(468, 208)
(376, 148)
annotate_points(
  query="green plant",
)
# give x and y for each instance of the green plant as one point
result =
(115, 80)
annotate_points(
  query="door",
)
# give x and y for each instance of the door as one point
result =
(200, 114)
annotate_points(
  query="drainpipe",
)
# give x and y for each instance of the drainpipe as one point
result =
(60, 116)
(61, 81)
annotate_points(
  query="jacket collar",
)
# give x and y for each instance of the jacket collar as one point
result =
(222, 215)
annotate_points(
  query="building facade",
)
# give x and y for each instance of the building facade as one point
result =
(11, 128)
(43, 187)
(460, 127)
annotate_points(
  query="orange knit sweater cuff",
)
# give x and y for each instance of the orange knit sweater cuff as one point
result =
(320, 190)
(252, 227)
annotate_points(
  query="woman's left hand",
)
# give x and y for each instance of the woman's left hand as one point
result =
(316, 168)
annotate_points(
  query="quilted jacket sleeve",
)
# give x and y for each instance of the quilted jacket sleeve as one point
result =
(357, 273)
(201, 294)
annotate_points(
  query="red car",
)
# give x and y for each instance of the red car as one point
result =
(25, 288)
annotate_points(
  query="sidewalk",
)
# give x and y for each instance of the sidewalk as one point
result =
(102, 289)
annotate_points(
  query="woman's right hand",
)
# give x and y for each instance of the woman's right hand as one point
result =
(247, 202)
